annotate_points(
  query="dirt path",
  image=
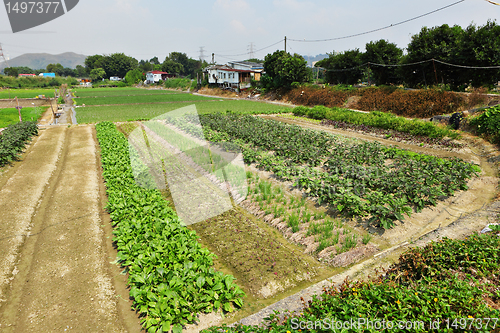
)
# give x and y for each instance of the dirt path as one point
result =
(55, 274)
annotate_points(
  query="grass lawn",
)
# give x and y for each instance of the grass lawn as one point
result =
(129, 112)
(100, 92)
(137, 99)
(11, 116)
(25, 93)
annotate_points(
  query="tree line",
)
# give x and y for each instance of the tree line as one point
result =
(99, 67)
(474, 46)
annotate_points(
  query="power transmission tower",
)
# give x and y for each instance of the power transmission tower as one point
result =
(202, 53)
(3, 56)
(251, 50)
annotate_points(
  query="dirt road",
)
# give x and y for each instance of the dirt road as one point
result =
(55, 271)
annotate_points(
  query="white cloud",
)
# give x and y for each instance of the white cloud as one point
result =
(233, 6)
(238, 27)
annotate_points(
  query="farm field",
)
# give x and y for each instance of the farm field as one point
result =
(25, 93)
(109, 92)
(11, 116)
(131, 112)
(367, 219)
(320, 201)
(141, 99)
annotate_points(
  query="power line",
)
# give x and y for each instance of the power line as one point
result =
(386, 27)
(242, 54)
(411, 64)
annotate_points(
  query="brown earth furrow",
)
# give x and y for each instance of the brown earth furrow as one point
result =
(63, 282)
(20, 195)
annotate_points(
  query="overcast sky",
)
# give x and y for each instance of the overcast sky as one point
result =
(148, 28)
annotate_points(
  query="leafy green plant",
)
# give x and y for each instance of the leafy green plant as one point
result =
(170, 275)
(488, 124)
(13, 140)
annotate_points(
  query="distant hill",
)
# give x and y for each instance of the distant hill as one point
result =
(41, 60)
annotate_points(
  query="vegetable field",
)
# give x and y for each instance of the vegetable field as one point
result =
(362, 180)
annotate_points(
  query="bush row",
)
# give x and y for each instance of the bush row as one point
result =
(407, 103)
(14, 138)
(170, 275)
(377, 119)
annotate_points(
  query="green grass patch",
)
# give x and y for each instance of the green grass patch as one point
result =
(11, 115)
(183, 84)
(130, 112)
(108, 92)
(25, 93)
(141, 99)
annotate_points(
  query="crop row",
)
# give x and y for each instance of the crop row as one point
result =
(377, 119)
(14, 138)
(359, 180)
(170, 275)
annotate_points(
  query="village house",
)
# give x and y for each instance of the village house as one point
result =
(236, 75)
(155, 76)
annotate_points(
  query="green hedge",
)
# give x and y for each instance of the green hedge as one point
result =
(377, 119)
(14, 138)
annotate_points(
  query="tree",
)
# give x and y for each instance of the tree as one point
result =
(97, 74)
(282, 69)
(134, 76)
(55, 68)
(80, 71)
(145, 66)
(343, 68)
(441, 43)
(189, 66)
(172, 67)
(479, 48)
(383, 52)
(154, 61)
(90, 62)
(10, 71)
(117, 64)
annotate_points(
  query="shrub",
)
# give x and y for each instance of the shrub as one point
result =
(318, 112)
(488, 124)
(300, 111)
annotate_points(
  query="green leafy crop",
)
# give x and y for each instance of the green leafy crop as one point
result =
(171, 276)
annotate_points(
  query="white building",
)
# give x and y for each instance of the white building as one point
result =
(236, 77)
(155, 76)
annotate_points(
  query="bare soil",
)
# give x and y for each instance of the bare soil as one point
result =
(56, 274)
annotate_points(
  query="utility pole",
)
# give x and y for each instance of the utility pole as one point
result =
(285, 44)
(202, 53)
(19, 110)
(3, 56)
(250, 49)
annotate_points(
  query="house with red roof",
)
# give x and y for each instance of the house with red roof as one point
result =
(155, 76)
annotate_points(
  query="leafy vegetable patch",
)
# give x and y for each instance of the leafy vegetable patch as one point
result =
(170, 275)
